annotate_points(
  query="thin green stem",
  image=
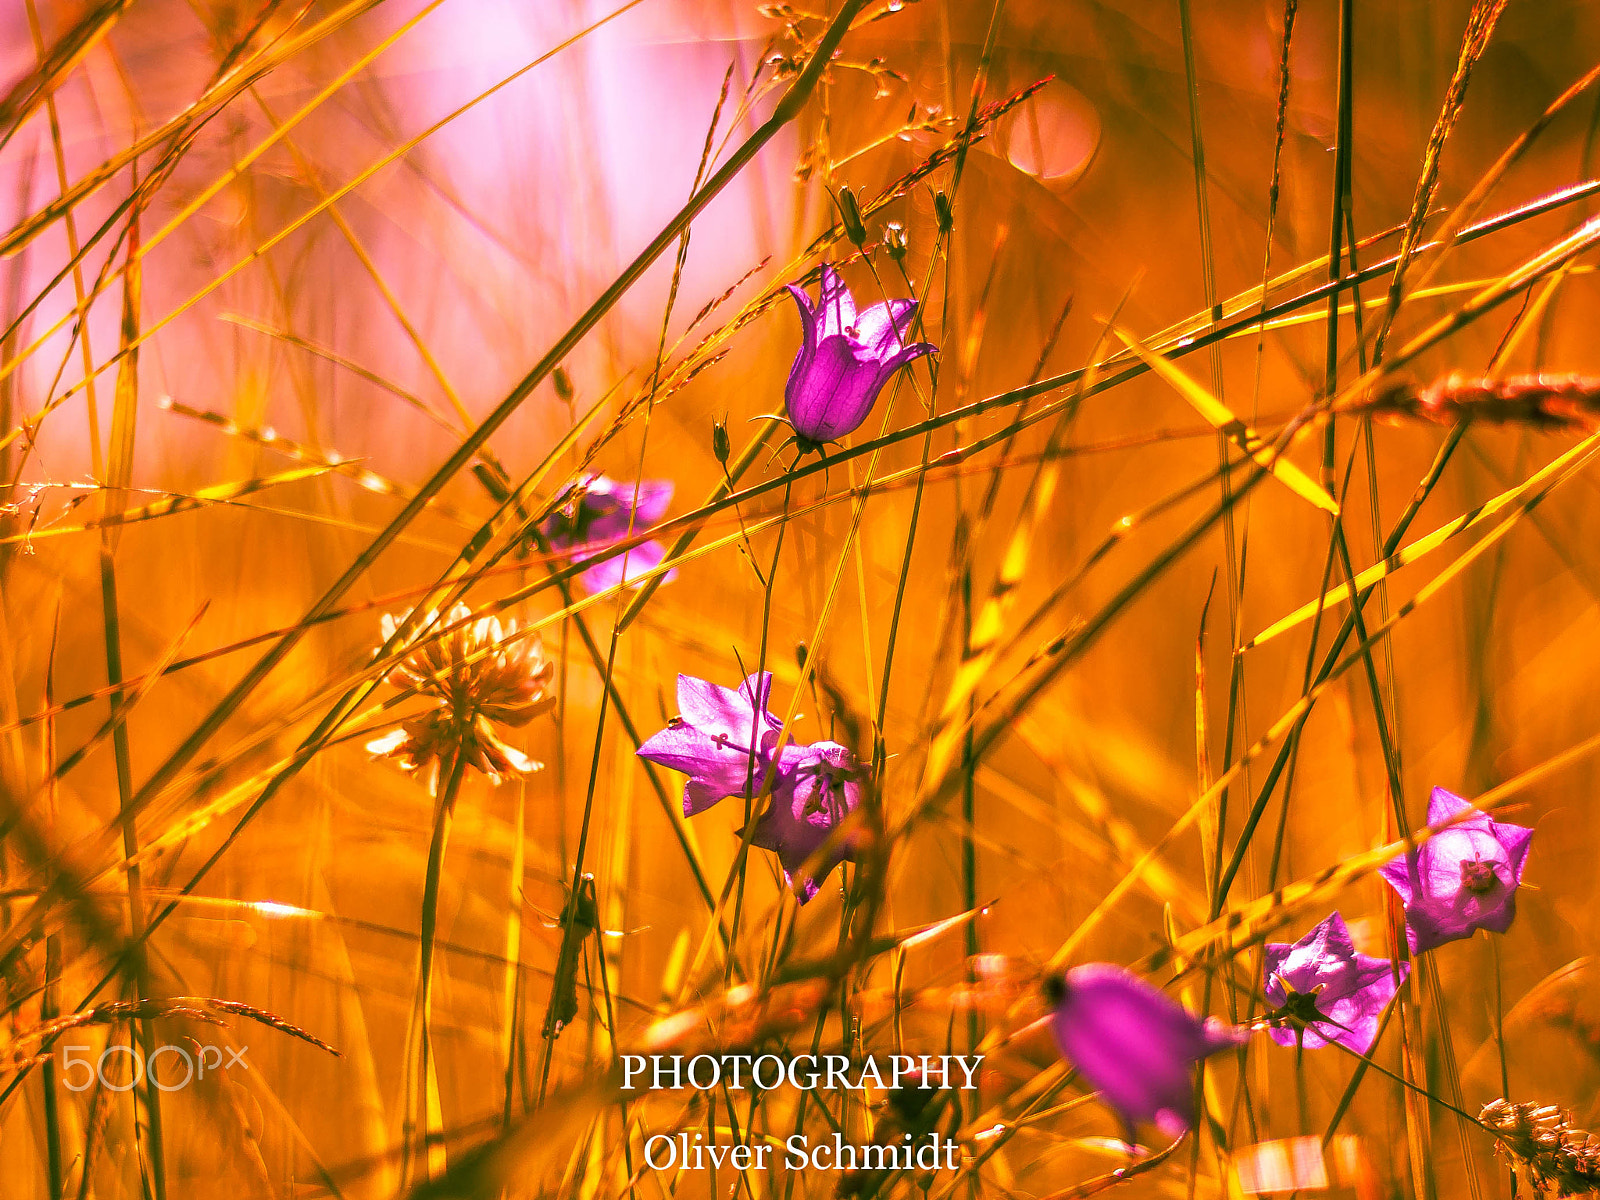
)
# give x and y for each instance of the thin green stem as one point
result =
(417, 1111)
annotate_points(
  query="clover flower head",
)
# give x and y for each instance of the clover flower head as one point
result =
(844, 360)
(599, 512)
(1331, 993)
(818, 787)
(1134, 1044)
(1462, 878)
(482, 674)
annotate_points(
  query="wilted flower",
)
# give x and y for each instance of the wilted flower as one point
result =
(479, 675)
(594, 515)
(845, 360)
(1134, 1044)
(1544, 1147)
(1328, 992)
(1462, 878)
(721, 739)
(818, 787)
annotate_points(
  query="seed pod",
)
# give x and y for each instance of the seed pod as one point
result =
(943, 212)
(563, 383)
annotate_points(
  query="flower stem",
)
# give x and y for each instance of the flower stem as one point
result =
(417, 1113)
(743, 861)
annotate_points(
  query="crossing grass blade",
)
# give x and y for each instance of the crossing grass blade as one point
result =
(1236, 431)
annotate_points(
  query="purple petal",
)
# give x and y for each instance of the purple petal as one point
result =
(903, 356)
(605, 509)
(1271, 966)
(1515, 841)
(683, 748)
(650, 502)
(837, 308)
(1134, 1044)
(724, 713)
(835, 393)
(1442, 805)
(1397, 872)
(817, 789)
(629, 568)
(1281, 1034)
(808, 320)
(881, 329)
(715, 769)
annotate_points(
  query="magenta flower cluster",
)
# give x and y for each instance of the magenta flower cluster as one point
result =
(1138, 1047)
(1134, 1044)
(726, 742)
(1463, 878)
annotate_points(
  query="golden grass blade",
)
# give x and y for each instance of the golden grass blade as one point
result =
(29, 92)
(328, 354)
(986, 642)
(1235, 430)
(1287, 721)
(220, 493)
(1558, 468)
(125, 405)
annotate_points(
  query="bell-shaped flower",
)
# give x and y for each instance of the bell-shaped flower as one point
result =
(1134, 1044)
(1325, 992)
(1462, 878)
(721, 739)
(600, 512)
(844, 360)
(818, 787)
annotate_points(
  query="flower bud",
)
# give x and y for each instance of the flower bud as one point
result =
(563, 383)
(854, 229)
(943, 213)
(719, 441)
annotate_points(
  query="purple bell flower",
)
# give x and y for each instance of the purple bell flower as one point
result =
(1463, 878)
(594, 516)
(1332, 993)
(1135, 1044)
(818, 787)
(845, 360)
(721, 739)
